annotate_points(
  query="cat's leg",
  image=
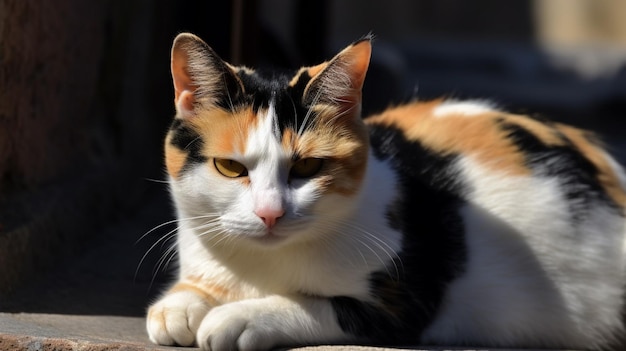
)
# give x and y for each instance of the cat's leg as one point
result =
(264, 323)
(175, 318)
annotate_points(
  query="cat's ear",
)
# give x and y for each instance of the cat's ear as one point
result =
(339, 82)
(201, 77)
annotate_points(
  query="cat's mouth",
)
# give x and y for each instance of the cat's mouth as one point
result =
(269, 238)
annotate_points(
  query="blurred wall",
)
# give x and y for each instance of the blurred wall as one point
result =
(580, 22)
(80, 127)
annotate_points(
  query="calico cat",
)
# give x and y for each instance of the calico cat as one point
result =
(442, 222)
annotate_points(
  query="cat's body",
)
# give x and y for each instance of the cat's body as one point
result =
(443, 222)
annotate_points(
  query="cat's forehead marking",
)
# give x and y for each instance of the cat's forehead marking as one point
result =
(264, 138)
(284, 90)
(267, 125)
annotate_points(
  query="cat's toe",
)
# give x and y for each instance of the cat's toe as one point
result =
(169, 328)
(253, 338)
(233, 327)
(174, 321)
(224, 337)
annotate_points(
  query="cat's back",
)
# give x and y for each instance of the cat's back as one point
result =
(541, 207)
(500, 144)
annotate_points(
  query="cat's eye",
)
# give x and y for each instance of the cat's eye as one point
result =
(230, 168)
(306, 167)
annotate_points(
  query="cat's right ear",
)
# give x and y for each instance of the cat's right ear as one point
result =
(201, 78)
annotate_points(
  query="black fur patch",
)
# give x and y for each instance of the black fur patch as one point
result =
(577, 175)
(231, 94)
(264, 88)
(187, 140)
(433, 249)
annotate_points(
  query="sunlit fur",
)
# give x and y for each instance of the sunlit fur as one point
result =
(443, 222)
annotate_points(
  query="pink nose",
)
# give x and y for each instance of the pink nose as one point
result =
(269, 216)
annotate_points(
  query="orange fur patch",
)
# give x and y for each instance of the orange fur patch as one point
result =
(194, 288)
(311, 71)
(218, 293)
(174, 158)
(315, 70)
(289, 141)
(223, 132)
(156, 316)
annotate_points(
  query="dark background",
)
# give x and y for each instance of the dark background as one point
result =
(86, 99)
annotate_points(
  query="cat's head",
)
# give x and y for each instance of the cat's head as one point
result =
(265, 158)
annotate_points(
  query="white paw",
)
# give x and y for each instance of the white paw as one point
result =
(175, 318)
(243, 326)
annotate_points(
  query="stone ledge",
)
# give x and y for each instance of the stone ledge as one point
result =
(35, 331)
(56, 332)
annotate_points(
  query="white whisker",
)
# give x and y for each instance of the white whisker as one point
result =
(373, 243)
(392, 257)
(191, 142)
(171, 252)
(330, 227)
(164, 238)
(295, 119)
(309, 111)
(173, 221)
(167, 237)
(157, 180)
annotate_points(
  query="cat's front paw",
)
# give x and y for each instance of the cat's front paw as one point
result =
(240, 326)
(175, 318)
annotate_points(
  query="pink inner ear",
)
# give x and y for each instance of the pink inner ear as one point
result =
(357, 62)
(183, 83)
(180, 76)
(184, 103)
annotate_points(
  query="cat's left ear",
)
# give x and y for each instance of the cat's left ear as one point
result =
(340, 81)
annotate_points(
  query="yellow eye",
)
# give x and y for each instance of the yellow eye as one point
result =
(306, 167)
(230, 168)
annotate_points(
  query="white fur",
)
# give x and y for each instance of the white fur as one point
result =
(532, 277)
(462, 108)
